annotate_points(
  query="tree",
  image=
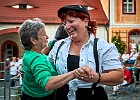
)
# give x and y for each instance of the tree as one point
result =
(121, 46)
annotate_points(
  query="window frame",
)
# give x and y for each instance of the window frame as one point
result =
(133, 8)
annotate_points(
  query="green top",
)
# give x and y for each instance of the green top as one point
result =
(51, 43)
(37, 70)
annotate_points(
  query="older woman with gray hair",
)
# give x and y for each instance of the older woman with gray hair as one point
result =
(39, 77)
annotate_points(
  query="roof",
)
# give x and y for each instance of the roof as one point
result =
(46, 10)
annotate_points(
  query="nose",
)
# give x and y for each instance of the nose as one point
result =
(67, 26)
(47, 37)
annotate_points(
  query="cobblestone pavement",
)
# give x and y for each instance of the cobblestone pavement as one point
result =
(130, 92)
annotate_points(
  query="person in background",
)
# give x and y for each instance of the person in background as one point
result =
(127, 80)
(138, 46)
(125, 58)
(77, 52)
(60, 34)
(7, 64)
(39, 77)
(13, 69)
(20, 61)
(19, 75)
(132, 58)
(137, 69)
(133, 45)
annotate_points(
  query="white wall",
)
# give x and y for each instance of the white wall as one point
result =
(101, 32)
(51, 29)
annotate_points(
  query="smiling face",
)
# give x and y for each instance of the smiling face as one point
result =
(42, 38)
(76, 27)
(42, 41)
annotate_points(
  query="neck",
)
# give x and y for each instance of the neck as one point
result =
(82, 41)
(36, 49)
(76, 46)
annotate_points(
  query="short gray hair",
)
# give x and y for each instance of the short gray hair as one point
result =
(28, 29)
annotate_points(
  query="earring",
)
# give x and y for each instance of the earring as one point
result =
(88, 26)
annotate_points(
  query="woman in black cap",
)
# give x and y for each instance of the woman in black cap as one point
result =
(77, 52)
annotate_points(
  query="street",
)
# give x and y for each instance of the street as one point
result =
(127, 93)
(131, 92)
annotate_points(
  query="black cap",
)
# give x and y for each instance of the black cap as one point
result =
(76, 8)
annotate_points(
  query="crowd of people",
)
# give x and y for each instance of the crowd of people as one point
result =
(13, 68)
(131, 66)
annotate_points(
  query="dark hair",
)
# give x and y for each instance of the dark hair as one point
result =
(29, 29)
(61, 33)
(91, 25)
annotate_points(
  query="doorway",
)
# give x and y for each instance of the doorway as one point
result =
(9, 50)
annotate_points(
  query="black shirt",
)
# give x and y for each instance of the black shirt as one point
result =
(72, 62)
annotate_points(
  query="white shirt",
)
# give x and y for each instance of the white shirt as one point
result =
(107, 54)
(134, 56)
(125, 57)
(19, 62)
(133, 45)
(14, 68)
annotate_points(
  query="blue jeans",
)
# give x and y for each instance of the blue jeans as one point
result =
(12, 82)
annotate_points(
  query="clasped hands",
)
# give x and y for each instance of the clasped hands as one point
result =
(86, 74)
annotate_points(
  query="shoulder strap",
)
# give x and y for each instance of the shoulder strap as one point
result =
(96, 54)
(58, 50)
(96, 59)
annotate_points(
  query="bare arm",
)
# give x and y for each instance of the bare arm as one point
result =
(16, 76)
(131, 55)
(110, 77)
(59, 80)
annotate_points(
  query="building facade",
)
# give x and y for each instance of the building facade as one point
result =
(124, 20)
(15, 12)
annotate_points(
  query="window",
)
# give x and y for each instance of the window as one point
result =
(22, 6)
(9, 46)
(129, 6)
(8, 51)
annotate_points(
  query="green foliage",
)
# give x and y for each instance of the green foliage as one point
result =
(121, 46)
